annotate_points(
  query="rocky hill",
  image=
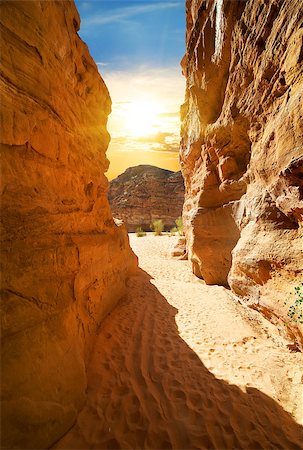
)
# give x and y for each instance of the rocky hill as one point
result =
(64, 261)
(144, 193)
(242, 148)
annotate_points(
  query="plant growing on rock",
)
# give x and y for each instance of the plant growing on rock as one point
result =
(157, 227)
(140, 232)
(179, 223)
(295, 311)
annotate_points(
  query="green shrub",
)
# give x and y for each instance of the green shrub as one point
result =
(173, 231)
(179, 223)
(157, 227)
(295, 312)
(140, 232)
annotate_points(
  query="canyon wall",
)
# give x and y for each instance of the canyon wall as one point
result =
(242, 148)
(64, 261)
(144, 193)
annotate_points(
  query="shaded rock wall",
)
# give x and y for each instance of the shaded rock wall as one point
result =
(242, 146)
(64, 262)
(144, 193)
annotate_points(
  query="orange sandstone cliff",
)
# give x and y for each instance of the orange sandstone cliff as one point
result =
(242, 147)
(64, 261)
(145, 193)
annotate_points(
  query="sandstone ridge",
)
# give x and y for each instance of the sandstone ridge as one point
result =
(144, 193)
(64, 261)
(242, 148)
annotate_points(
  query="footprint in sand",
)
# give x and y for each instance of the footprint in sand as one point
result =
(168, 393)
(178, 395)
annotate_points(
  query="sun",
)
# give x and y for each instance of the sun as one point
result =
(141, 118)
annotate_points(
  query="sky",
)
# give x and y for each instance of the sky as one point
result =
(138, 46)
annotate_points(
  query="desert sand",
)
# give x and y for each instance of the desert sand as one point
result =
(179, 364)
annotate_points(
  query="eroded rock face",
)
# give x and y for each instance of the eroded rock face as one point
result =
(144, 193)
(64, 262)
(242, 146)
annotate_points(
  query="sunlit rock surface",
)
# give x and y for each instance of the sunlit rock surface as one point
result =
(144, 193)
(242, 147)
(64, 262)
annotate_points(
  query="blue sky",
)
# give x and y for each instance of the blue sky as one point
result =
(138, 46)
(125, 34)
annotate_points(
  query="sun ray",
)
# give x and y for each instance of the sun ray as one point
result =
(142, 118)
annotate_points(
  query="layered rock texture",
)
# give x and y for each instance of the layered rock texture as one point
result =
(64, 262)
(144, 193)
(242, 147)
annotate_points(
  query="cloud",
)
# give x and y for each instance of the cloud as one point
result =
(166, 87)
(102, 64)
(158, 142)
(159, 138)
(125, 13)
(140, 147)
(173, 148)
(170, 114)
(86, 5)
(164, 84)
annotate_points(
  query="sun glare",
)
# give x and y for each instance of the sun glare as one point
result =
(141, 117)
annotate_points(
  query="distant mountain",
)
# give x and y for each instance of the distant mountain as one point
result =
(144, 193)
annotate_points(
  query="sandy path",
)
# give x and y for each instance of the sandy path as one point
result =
(179, 364)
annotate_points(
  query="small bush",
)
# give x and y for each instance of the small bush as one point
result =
(173, 231)
(179, 223)
(157, 227)
(295, 312)
(140, 232)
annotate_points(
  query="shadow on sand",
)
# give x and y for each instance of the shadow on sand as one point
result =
(149, 390)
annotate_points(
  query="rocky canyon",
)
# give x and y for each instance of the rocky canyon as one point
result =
(145, 193)
(242, 149)
(64, 261)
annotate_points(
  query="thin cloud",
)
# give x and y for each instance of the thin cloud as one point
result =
(173, 148)
(86, 5)
(170, 114)
(102, 64)
(127, 13)
(144, 147)
(159, 137)
(157, 83)
(154, 143)
(165, 87)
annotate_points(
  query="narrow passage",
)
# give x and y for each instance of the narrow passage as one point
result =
(181, 365)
